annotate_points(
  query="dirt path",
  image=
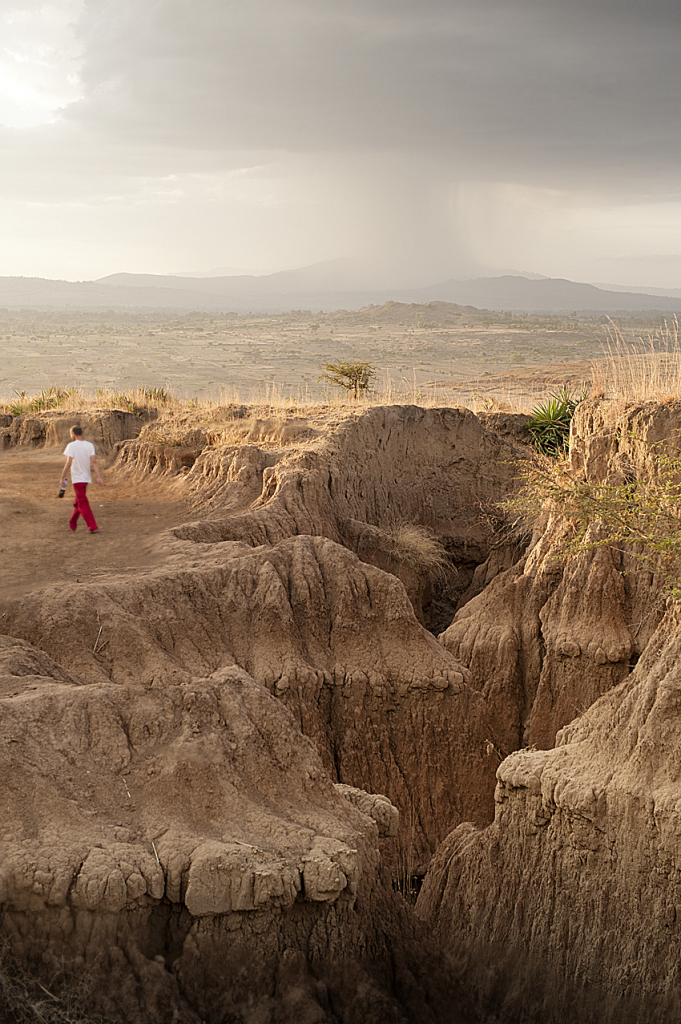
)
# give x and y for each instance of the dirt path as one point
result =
(38, 549)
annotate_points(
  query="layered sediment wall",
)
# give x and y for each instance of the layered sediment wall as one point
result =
(360, 482)
(335, 639)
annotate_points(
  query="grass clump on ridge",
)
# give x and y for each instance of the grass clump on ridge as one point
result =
(51, 397)
(417, 546)
(136, 401)
(73, 399)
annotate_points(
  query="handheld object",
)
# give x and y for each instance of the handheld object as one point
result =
(62, 489)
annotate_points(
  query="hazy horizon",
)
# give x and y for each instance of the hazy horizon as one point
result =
(426, 141)
(352, 282)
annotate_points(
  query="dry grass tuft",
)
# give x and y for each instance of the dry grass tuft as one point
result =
(25, 1000)
(418, 546)
(407, 882)
(226, 427)
(267, 402)
(642, 370)
(165, 436)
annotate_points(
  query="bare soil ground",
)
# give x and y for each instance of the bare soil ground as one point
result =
(37, 548)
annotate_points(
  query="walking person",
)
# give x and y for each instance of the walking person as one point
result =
(81, 460)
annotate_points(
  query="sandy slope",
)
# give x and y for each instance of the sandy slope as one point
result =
(36, 546)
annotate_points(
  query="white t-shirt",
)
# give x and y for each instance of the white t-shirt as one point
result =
(80, 452)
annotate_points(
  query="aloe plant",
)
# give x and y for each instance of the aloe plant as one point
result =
(550, 421)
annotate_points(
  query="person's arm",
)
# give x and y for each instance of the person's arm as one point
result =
(93, 465)
(67, 467)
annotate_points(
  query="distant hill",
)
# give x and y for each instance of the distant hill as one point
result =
(324, 286)
(550, 294)
(644, 289)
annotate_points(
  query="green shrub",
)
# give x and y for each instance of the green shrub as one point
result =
(156, 394)
(51, 397)
(18, 405)
(124, 402)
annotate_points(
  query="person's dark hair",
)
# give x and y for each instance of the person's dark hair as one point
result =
(78, 431)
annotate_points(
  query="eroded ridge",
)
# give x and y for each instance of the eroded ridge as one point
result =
(547, 636)
(333, 638)
(359, 482)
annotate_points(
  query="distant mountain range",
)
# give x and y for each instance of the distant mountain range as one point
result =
(324, 286)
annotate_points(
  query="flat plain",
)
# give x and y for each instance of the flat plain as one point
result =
(438, 349)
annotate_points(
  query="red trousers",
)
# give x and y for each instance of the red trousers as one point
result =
(81, 507)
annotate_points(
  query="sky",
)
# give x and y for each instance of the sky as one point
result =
(425, 139)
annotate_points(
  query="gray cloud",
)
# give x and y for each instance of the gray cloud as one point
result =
(277, 132)
(542, 89)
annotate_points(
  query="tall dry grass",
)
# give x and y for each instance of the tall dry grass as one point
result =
(272, 400)
(407, 882)
(640, 370)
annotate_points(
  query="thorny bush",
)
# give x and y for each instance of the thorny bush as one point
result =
(640, 517)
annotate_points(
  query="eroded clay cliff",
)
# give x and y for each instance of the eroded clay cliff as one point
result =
(104, 428)
(566, 909)
(359, 482)
(546, 637)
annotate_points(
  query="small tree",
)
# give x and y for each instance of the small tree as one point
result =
(350, 376)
